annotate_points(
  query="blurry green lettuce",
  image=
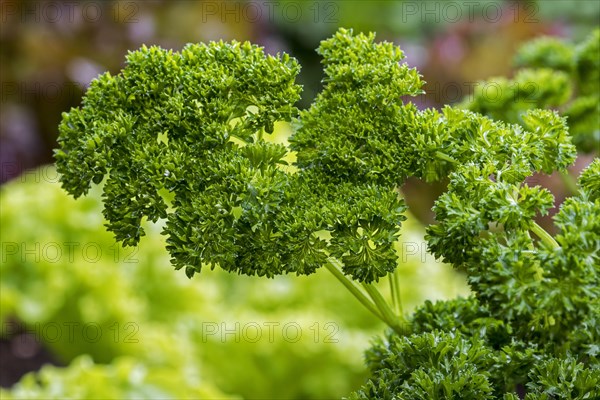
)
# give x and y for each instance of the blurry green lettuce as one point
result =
(124, 378)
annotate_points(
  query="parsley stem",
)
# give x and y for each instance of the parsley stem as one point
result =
(395, 291)
(395, 322)
(544, 236)
(445, 157)
(333, 266)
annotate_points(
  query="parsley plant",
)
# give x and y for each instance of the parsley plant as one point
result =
(182, 136)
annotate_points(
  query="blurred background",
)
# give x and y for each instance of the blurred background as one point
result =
(119, 322)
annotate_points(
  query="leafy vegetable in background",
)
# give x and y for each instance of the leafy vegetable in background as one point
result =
(181, 137)
(125, 378)
(552, 74)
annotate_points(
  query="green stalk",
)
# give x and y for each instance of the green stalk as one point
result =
(544, 236)
(333, 266)
(445, 157)
(395, 289)
(393, 321)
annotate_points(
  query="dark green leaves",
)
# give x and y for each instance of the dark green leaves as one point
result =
(565, 379)
(191, 124)
(363, 237)
(434, 365)
(536, 298)
(166, 123)
(356, 130)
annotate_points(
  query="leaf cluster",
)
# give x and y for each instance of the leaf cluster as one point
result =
(535, 309)
(536, 299)
(181, 137)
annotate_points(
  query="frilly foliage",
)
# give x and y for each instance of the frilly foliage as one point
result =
(193, 125)
(535, 310)
(535, 307)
